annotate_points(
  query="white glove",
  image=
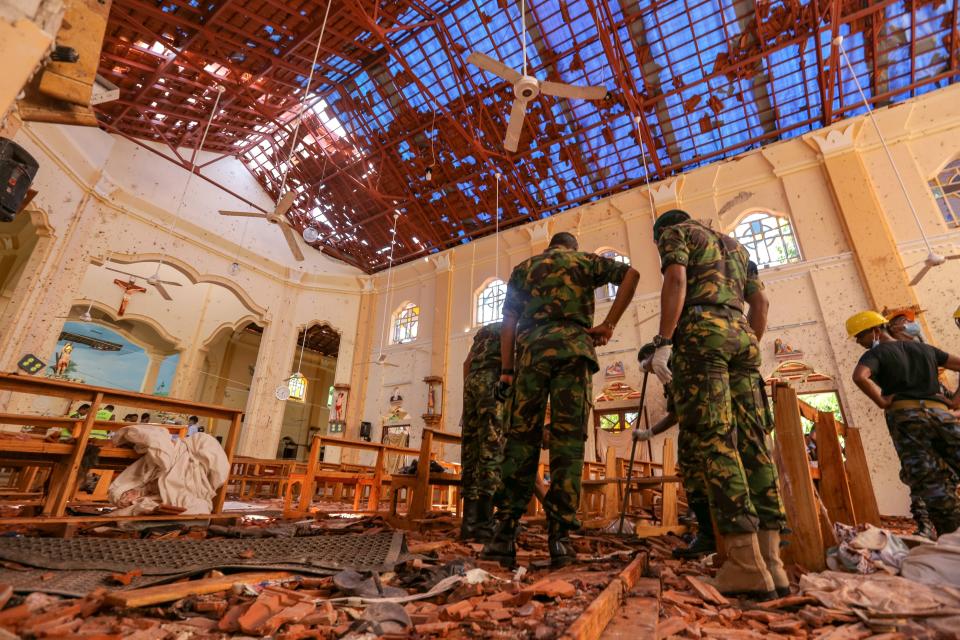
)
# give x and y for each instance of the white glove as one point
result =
(646, 364)
(642, 435)
(660, 363)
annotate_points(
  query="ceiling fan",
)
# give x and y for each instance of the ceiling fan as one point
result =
(152, 280)
(932, 260)
(527, 87)
(278, 217)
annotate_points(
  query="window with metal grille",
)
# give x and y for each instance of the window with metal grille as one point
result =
(946, 189)
(405, 323)
(609, 291)
(490, 302)
(769, 239)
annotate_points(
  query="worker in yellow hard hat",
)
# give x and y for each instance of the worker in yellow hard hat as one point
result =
(900, 377)
(956, 317)
(902, 323)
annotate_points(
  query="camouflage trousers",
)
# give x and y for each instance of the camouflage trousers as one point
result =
(566, 382)
(482, 436)
(928, 444)
(723, 419)
(690, 469)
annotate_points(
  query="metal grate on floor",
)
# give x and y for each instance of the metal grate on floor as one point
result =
(316, 554)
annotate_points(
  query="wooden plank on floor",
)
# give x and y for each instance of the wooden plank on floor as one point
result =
(596, 617)
(171, 592)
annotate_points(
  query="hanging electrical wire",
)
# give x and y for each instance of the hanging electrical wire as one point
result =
(393, 243)
(646, 170)
(496, 226)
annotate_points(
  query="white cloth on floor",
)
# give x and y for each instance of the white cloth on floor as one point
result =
(935, 563)
(184, 473)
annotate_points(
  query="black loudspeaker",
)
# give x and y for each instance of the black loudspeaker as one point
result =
(366, 430)
(17, 170)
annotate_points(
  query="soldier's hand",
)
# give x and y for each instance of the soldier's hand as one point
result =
(502, 390)
(601, 334)
(642, 435)
(647, 364)
(660, 363)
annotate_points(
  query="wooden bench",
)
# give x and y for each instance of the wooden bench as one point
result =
(258, 478)
(64, 458)
(317, 474)
(419, 487)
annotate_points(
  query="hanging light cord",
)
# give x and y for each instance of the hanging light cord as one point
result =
(433, 139)
(646, 170)
(906, 194)
(523, 38)
(496, 226)
(393, 243)
(303, 345)
(193, 167)
(303, 101)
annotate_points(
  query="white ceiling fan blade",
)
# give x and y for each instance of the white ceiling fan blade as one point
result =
(243, 214)
(126, 273)
(285, 202)
(515, 125)
(161, 290)
(291, 237)
(495, 67)
(575, 91)
(917, 278)
(170, 283)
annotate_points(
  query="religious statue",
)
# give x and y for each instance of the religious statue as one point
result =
(431, 401)
(129, 288)
(338, 407)
(63, 359)
(396, 398)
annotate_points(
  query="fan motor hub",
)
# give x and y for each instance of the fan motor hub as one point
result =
(526, 88)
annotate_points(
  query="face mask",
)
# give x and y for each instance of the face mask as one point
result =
(912, 329)
(875, 343)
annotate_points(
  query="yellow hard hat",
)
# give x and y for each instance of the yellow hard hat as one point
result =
(860, 322)
(956, 314)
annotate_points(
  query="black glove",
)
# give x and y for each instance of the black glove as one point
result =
(501, 391)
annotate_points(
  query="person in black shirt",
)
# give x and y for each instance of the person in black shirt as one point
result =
(901, 378)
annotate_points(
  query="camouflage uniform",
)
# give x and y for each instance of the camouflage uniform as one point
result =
(928, 444)
(552, 295)
(717, 385)
(689, 464)
(482, 431)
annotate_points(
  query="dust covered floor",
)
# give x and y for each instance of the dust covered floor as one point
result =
(433, 587)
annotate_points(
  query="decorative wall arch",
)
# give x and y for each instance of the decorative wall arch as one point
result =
(190, 272)
(117, 324)
(232, 327)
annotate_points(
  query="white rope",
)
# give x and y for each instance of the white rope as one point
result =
(193, 167)
(393, 243)
(523, 38)
(303, 345)
(646, 171)
(906, 194)
(496, 265)
(303, 101)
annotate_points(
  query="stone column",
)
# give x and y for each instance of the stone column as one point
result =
(153, 371)
(264, 412)
(361, 354)
(440, 343)
(864, 221)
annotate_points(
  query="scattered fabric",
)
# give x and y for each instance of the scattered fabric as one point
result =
(866, 549)
(935, 564)
(183, 473)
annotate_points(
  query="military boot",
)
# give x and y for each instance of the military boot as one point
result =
(561, 548)
(503, 547)
(769, 541)
(704, 543)
(471, 519)
(485, 521)
(744, 573)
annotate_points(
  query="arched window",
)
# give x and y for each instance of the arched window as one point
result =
(405, 323)
(946, 189)
(609, 291)
(490, 302)
(769, 239)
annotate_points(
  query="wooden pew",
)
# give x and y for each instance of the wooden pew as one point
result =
(419, 486)
(317, 473)
(64, 458)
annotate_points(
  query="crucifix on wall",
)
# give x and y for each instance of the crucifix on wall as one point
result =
(129, 288)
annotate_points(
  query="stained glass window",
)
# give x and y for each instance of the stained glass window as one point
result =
(946, 189)
(769, 239)
(405, 324)
(609, 291)
(490, 302)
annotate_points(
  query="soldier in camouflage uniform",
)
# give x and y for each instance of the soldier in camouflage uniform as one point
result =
(902, 379)
(482, 432)
(548, 318)
(719, 396)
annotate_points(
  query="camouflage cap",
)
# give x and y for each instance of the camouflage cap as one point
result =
(670, 218)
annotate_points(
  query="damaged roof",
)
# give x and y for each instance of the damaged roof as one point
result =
(392, 95)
